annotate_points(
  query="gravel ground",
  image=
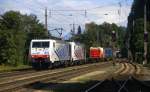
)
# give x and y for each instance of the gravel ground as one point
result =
(144, 74)
(74, 84)
(82, 82)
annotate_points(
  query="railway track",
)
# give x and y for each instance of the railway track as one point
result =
(14, 82)
(15, 73)
(125, 81)
(128, 69)
(19, 74)
(129, 85)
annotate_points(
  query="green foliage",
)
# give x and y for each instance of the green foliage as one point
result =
(16, 32)
(135, 29)
(11, 20)
(101, 35)
(79, 30)
(11, 47)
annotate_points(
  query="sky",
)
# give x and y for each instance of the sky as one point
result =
(65, 13)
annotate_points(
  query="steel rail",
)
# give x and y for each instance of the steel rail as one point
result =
(11, 84)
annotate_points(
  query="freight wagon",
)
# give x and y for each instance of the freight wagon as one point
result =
(108, 53)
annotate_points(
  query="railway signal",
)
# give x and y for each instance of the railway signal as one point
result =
(113, 36)
(145, 36)
(113, 45)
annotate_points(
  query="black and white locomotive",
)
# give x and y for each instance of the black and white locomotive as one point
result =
(46, 53)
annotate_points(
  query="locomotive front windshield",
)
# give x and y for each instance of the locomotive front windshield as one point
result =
(40, 45)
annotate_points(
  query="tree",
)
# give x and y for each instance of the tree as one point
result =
(79, 30)
(16, 32)
(135, 30)
(100, 35)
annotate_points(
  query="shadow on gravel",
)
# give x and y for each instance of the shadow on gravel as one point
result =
(130, 85)
(62, 87)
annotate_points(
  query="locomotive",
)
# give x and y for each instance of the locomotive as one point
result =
(52, 53)
(96, 53)
(100, 53)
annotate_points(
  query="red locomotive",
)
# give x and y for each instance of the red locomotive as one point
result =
(96, 53)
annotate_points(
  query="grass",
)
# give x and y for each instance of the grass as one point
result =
(7, 68)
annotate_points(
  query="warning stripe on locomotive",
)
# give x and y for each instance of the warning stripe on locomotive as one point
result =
(78, 53)
(62, 52)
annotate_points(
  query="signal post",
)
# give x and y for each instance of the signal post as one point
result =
(113, 46)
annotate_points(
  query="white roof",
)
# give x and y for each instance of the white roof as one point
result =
(36, 40)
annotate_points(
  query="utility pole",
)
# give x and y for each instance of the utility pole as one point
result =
(130, 56)
(129, 51)
(73, 28)
(46, 29)
(97, 37)
(85, 14)
(119, 11)
(145, 35)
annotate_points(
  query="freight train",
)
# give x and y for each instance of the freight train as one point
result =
(45, 53)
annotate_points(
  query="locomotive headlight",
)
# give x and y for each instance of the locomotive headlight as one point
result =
(32, 56)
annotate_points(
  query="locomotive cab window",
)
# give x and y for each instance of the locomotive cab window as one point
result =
(40, 44)
(36, 44)
(45, 44)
